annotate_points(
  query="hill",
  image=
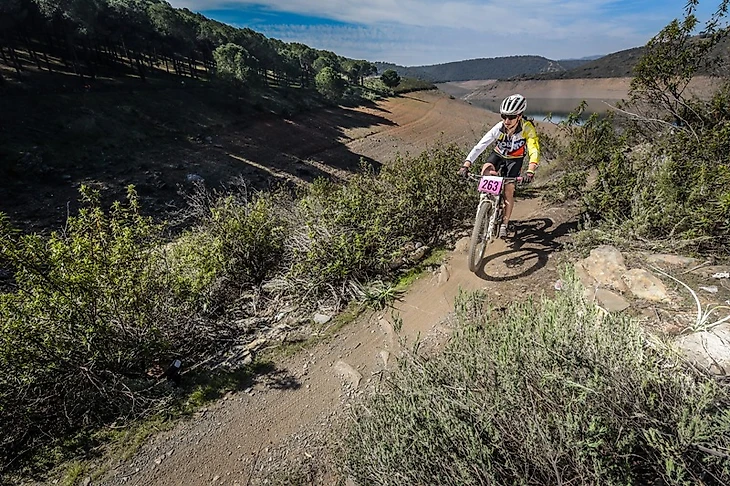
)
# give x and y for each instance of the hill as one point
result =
(618, 64)
(489, 68)
(615, 65)
(621, 65)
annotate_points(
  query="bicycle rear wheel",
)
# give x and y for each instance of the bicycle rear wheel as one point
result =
(479, 242)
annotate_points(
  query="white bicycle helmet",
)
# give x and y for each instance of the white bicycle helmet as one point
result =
(513, 105)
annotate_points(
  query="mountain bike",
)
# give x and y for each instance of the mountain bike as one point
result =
(489, 216)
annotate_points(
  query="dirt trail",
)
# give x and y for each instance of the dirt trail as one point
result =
(285, 417)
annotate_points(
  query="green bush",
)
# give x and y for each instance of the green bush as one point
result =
(548, 393)
(235, 244)
(662, 173)
(330, 84)
(86, 316)
(677, 189)
(353, 231)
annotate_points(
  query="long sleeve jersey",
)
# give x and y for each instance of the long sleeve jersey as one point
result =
(523, 141)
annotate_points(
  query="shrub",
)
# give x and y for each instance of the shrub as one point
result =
(555, 393)
(236, 243)
(663, 174)
(390, 78)
(86, 316)
(93, 308)
(353, 231)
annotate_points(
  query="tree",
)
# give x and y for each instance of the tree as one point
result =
(356, 70)
(233, 62)
(307, 56)
(329, 83)
(390, 78)
(673, 57)
(326, 59)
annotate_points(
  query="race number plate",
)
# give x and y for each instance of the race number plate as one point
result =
(491, 184)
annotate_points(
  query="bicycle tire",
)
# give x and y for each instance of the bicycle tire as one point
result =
(479, 241)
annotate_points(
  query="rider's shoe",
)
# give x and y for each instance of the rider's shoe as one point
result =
(503, 231)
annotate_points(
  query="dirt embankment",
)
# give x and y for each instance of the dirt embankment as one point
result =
(159, 141)
(608, 89)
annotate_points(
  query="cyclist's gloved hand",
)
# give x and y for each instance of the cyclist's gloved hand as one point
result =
(527, 178)
(464, 171)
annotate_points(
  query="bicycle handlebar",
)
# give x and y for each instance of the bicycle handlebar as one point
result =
(476, 177)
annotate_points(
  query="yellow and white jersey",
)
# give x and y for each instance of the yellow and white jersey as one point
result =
(523, 142)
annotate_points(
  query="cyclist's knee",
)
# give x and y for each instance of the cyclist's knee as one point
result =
(488, 169)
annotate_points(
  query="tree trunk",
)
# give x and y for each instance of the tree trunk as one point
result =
(127, 54)
(87, 60)
(74, 58)
(4, 56)
(48, 61)
(51, 46)
(140, 69)
(31, 52)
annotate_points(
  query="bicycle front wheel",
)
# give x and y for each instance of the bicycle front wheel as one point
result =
(479, 242)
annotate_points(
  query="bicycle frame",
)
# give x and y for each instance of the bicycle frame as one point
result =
(490, 208)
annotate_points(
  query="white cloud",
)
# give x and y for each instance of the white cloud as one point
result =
(414, 32)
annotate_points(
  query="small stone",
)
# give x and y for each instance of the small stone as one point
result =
(351, 374)
(444, 274)
(611, 301)
(419, 253)
(711, 289)
(462, 246)
(670, 259)
(385, 357)
(321, 318)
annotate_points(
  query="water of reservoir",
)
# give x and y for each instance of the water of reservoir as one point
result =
(559, 108)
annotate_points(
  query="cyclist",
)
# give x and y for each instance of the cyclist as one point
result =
(515, 139)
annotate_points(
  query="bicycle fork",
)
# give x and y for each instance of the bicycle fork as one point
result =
(494, 213)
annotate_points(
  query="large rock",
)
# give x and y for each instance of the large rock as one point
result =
(709, 350)
(603, 268)
(645, 285)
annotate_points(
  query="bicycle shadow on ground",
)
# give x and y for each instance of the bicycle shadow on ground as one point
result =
(528, 251)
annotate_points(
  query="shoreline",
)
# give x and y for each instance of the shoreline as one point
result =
(605, 89)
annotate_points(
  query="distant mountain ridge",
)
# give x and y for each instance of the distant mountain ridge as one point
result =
(618, 64)
(487, 68)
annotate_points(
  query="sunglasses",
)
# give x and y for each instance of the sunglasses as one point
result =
(509, 117)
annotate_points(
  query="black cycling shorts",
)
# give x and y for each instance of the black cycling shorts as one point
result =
(505, 167)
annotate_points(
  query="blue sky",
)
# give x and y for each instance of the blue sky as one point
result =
(412, 33)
